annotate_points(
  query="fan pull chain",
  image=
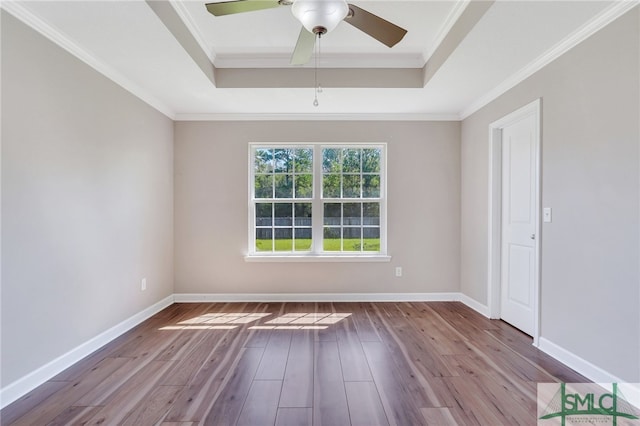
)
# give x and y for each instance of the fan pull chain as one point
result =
(317, 89)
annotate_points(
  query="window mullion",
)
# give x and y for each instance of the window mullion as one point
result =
(252, 200)
(273, 225)
(361, 202)
(317, 205)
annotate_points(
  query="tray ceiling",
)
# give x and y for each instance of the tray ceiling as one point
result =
(456, 56)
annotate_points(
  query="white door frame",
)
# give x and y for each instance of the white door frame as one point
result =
(495, 211)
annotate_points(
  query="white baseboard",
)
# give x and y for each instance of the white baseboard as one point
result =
(589, 370)
(475, 305)
(582, 366)
(22, 386)
(315, 297)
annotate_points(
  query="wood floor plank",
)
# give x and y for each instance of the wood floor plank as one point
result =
(328, 334)
(330, 406)
(141, 337)
(520, 343)
(261, 404)
(75, 416)
(259, 339)
(195, 402)
(514, 406)
(404, 365)
(294, 417)
(85, 365)
(30, 401)
(434, 332)
(468, 396)
(153, 408)
(354, 363)
(274, 359)
(442, 393)
(179, 348)
(438, 416)
(69, 395)
(365, 407)
(205, 353)
(461, 317)
(103, 391)
(364, 327)
(297, 388)
(135, 392)
(228, 405)
(508, 363)
(422, 352)
(178, 424)
(398, 363)
(467, 365)
(399, 402)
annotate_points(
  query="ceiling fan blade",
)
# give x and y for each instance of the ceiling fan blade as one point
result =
(304, 47)
(378, 28)
(239, 6)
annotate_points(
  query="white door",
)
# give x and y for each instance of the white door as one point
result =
(519, 252)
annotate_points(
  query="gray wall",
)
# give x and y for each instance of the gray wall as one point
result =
(87, 202)
(211, 197)
(590, 177)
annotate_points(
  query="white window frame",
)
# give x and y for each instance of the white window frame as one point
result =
(317, 254)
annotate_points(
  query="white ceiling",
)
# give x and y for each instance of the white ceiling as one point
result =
(128, 42)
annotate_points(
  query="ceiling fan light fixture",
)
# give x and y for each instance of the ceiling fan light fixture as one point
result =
(320, 16)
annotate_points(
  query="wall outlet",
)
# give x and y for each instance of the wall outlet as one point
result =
(398, 271)
(143, 284)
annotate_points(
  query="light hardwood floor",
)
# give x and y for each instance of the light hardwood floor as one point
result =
(332, 364)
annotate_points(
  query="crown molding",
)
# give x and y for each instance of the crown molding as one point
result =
(449, 22)
(334, 60)
(66, 43)
(600, 21)
(191, 25)
(316, 117)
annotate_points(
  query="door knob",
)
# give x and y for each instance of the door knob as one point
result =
(533, 236)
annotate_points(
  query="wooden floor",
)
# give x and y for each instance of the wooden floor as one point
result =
(330, 364)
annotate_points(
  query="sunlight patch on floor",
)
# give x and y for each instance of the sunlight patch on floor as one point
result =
(290, 321)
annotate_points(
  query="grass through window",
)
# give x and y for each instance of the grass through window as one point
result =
(329, 244)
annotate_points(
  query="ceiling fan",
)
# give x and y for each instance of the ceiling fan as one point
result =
(318, 17)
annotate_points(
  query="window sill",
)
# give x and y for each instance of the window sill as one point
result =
(369, 258)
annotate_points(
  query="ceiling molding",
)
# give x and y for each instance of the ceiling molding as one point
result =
(335, 60)
(170, 17)
(317, 117)
(190, 23)
(446, 27)
(62, 40)
(467, 20)
(600, 21)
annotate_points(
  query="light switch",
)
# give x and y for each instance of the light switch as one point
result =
(546, 214)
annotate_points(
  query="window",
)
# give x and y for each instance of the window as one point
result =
(317, 200)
